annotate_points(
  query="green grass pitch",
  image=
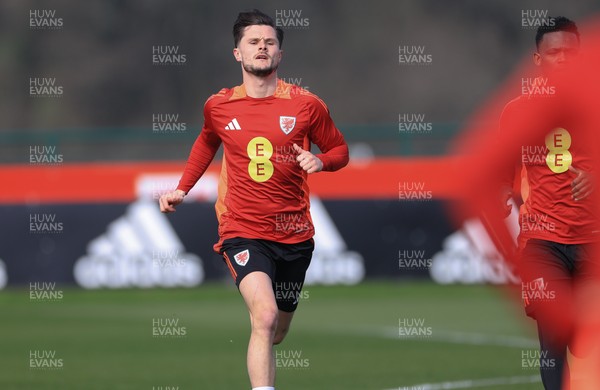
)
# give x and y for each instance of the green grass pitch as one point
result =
(342, 338)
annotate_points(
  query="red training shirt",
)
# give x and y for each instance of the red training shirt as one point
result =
(263, 192)
(549, 211)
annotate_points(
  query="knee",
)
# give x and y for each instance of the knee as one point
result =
(264, 321)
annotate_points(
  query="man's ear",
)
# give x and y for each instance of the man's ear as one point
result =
(537, 59)
(237, 54)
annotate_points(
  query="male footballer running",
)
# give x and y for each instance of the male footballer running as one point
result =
(266, 127)
(557, 224)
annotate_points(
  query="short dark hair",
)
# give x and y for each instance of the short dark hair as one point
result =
(253, 18)
(553, 24)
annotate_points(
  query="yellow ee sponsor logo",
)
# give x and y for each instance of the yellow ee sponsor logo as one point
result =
(260, 167)
(558, 142)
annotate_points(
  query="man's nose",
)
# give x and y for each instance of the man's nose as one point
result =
(262, 44)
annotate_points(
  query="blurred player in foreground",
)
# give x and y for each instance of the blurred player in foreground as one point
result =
(552, 130)
(557, 225)
(265, 228)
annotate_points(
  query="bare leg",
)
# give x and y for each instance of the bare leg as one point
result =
(283, 326)
(257, 291)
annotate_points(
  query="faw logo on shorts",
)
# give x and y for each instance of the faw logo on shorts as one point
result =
(242, 257)
(287, 123)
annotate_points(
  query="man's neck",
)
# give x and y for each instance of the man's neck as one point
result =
(260, 87)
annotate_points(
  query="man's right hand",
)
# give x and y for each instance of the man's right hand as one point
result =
(168, 201)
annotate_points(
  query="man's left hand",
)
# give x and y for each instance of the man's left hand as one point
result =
(308, 161)
(583, 185)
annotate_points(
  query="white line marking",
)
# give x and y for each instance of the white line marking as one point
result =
(473, 383)
(454, 337)
(439, 335)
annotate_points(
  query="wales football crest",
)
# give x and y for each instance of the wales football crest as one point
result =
(287, 123)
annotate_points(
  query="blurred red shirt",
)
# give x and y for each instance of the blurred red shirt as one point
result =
(549, 211)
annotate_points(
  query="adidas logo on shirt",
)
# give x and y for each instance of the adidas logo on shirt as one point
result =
(233, 125)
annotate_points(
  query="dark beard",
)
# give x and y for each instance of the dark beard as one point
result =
(262, 72)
